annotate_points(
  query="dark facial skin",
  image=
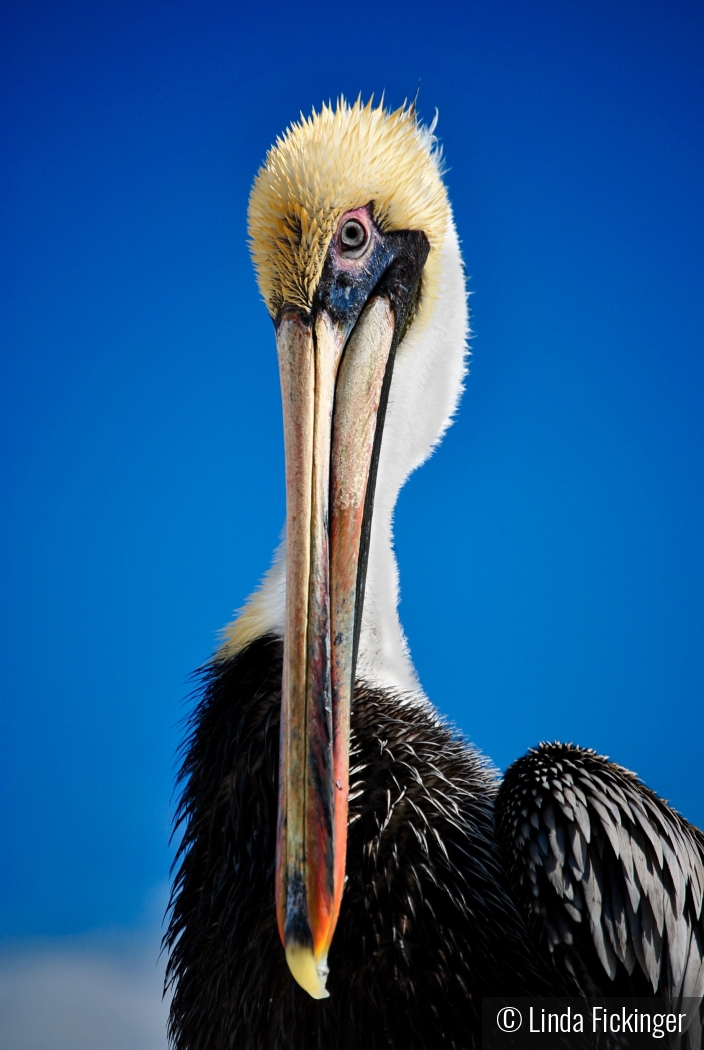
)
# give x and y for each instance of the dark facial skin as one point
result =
(363, 260)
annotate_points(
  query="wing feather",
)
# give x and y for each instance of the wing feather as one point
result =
(608, 875)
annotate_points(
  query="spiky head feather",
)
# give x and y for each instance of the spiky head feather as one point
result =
(341, 158)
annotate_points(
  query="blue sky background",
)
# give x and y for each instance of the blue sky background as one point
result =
(551, 552)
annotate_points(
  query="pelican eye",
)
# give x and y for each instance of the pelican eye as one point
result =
(353, 238)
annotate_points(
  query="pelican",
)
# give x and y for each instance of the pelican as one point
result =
(352, 874)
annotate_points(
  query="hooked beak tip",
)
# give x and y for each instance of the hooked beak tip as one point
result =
(310, 973)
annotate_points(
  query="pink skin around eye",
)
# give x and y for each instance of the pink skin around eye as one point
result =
(363, 216)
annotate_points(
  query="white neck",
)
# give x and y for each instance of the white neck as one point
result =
(425, 389)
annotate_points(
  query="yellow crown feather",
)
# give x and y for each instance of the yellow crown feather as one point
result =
(341, 158)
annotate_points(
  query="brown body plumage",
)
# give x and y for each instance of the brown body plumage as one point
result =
(427, 926)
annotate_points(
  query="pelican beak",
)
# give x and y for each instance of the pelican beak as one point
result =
(335, 377)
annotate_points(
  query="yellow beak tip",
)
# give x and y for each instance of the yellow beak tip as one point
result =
(310, 973)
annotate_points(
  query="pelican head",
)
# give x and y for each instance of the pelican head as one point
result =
(358, 262)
